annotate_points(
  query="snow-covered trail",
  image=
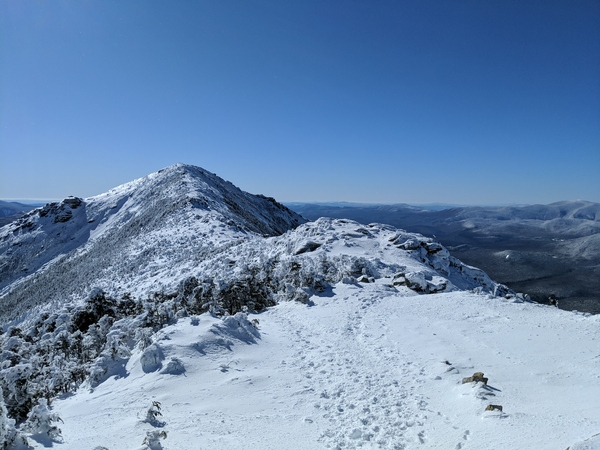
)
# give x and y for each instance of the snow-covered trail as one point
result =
(363, 390)
(364, 366)
(383, 370)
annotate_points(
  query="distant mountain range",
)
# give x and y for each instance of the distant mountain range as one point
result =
(10, 211)
(543, 250)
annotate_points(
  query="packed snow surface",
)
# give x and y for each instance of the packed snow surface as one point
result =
(362, 366)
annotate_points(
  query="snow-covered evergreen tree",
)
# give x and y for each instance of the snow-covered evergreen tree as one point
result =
(40, 421)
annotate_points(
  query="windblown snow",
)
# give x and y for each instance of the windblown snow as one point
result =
(362, 367)
(178, 312)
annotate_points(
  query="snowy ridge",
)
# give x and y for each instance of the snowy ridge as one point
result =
(140, 237)
(318, 254)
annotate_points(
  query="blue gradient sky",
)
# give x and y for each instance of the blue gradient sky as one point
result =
(470, 102)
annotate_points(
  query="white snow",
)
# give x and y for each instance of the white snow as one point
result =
(364, 367)
(372, 356)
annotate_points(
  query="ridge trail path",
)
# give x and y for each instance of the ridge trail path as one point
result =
(365, 388)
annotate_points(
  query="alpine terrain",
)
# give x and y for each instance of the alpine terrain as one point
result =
(551, 252)
(179, 312)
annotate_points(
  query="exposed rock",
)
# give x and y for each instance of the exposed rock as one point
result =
(416, 281)
(494, 408)
(62, 210)
(399, 280)
(476, 378)
(49, 208)
(63, 216)
(73, 202)
(410, 244)
(432, 247)
(439, 286)
(307, 246)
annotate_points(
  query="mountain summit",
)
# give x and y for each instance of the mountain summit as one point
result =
(135, 235)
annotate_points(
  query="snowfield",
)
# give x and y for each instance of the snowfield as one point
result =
(363, 366)
(178, 312)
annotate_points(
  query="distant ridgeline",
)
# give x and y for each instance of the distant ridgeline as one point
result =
(11, 211)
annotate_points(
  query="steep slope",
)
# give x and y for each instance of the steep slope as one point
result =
(134, 237)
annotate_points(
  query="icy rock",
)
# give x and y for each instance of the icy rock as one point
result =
(438, 284)
(416, 281)
(399, 280)
(410, 244)
(363, 279)
(174, 367)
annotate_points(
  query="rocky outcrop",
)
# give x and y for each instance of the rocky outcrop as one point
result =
(420, 282)
(494, 408)
(476, 378)
(61, 211)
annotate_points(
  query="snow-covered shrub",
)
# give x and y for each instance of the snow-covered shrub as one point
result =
(40, 421)
(174, 367)
(152, 440)
(239, 327)
(93, 340)
(152, 415)
(97, 306)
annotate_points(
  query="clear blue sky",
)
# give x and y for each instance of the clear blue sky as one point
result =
(467, 101)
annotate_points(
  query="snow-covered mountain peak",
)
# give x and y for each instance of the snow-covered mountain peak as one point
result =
(141, 235)
(186, 186)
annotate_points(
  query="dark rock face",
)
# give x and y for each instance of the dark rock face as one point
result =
(63, 216)
(61, 211)
(73, 202)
